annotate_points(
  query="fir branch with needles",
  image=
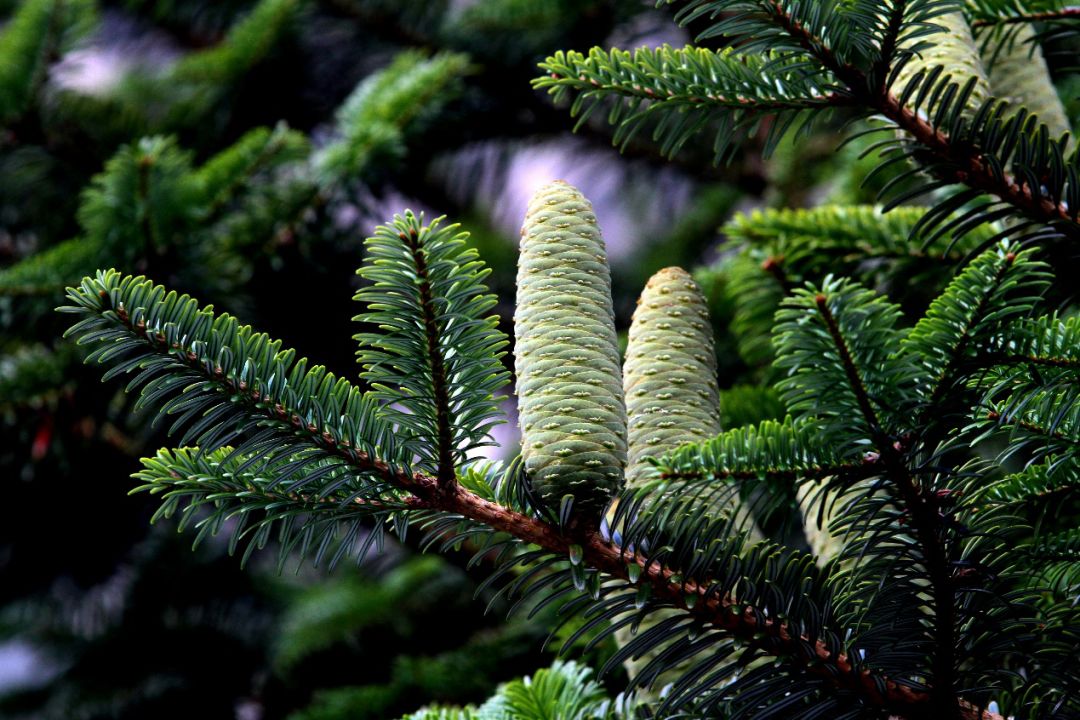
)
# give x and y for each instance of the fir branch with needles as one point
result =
(990, 13)
(824, 58)
(283, 449)
(928, 452)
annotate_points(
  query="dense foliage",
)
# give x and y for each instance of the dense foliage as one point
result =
(881, 518)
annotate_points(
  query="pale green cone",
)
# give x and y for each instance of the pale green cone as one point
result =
(669, 377)
(955, 49)
(569, 381)
(1020, 77)
(672, 395)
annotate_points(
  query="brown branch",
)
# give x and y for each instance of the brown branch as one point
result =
(971, 168)
(1069, 13)
(440, 384)
(722, 612)
(888, 43)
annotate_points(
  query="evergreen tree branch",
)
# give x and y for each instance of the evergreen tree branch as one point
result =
(834, 47)
(851, 233)
(851, 370)
(925, 519)
(633, 76)
(208, 489)
(33, 39)
(216, 369)
(772, 451)
(34, 376)
(1065, 13)
(963, 165)
(1049, 482)
(1051, 341)
(223, 176)
(998, 285)
(728, 93)
(1048, 429)
(51, 270)
(384, 108)
(836, 350)
(683, 90)
(443, 364)
(234, 373)
(1052, 361)
(248, 42)
(972, 168)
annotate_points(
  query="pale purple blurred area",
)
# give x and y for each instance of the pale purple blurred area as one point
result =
(23, 667)
(120, 45)
(634, 202)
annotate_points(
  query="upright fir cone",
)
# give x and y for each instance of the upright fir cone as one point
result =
(954, 48)
(570, 400)
(672, 398)
(1019, 75)
(669, 378)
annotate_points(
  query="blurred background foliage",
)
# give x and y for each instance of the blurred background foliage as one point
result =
(240, 150)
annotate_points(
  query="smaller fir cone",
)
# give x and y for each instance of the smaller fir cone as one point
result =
(672, 398)
(669, 377)
(954, 48)
(672, 395)
(1019, 76)
(569, 382)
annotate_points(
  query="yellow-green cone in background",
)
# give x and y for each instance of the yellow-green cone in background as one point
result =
(569, 379)
(955, 49)
(1018, 75)
(669, 376)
